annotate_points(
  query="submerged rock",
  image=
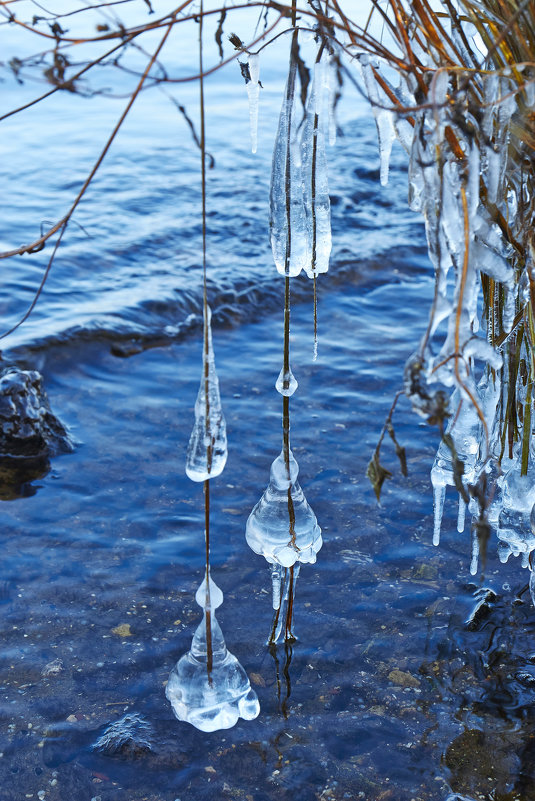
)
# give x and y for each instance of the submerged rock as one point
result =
(127, 737)
(28, 427)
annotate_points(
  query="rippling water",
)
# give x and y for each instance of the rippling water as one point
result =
(388, 695)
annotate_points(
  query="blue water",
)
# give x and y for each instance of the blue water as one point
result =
(387, 696)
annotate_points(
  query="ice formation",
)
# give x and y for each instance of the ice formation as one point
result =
(466, 179)
(315, 185)
(286, 383)
(208, 687)
(465, 430)
(282, 526)
(253, 93)
(288, 218)
(207, 449)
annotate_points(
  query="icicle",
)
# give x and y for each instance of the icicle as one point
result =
(464, 427)
(253, 92)
(290, 580)
(276, 580)
(532, 587)
(384, 118)
(475, 552)
(208, 687)
(461, 515)
(282, 527)
(315, 185)
(286, 383)
(332, 85)
(288, 225)
(207, 449)
(439, 494)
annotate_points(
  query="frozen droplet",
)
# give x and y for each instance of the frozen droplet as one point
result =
(207, 449)
(208, 687)
(282, 526)
(286, 383)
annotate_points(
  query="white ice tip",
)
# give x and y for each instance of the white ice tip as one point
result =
(436, 536)
(461, 515)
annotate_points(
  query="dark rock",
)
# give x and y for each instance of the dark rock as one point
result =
(482, 610)
(28, 427)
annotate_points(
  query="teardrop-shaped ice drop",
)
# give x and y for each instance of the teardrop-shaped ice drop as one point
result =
(282, 526)
(286, 383)
(207, 449)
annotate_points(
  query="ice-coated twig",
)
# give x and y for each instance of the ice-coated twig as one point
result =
(289, 241)
(253, 93)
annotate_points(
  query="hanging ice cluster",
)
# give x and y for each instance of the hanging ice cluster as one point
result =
(208, 687)
(300, 215)
(466, 179)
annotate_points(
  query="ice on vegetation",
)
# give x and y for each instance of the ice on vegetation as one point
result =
(516, 519)
(464, 428)
(288, 218)
(253, 93)
(207, 449)
(286, 383)
(315, 184)
(282, 526)
(208, 687)
(382, 111)
(284, 582)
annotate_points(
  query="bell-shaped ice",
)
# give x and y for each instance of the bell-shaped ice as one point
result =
(208, 687)
(282, 526)
(207, 449)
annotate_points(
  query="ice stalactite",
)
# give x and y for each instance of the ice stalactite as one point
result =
(214, 698)
(207, 449)
(332, 84)
(253, 93)
(288, 219)
(382, 111)
(515, 522)
(464, 429)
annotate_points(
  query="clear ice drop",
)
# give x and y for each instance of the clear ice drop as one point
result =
(210, 698)
(289, 241)
(207, 449)
(286, 383)
(282, 526)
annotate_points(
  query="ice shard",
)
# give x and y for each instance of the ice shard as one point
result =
(208, 687)
(207, 449)
(282, 526)
(288, 221)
